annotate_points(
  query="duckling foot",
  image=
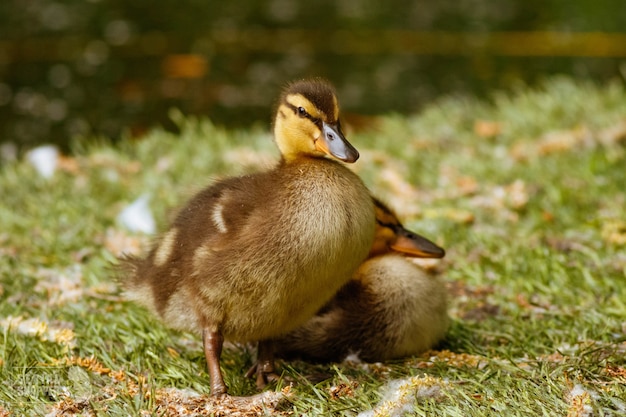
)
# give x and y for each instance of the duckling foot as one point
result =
(264, 374)
(264, 366)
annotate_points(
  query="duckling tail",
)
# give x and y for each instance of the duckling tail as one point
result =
(128, 277)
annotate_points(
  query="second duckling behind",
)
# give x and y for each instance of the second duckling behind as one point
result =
(390, 309)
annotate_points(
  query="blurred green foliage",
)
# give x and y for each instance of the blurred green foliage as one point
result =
(78, 68)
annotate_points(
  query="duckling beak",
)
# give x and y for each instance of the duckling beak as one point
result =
(412, 244)
(335, 144)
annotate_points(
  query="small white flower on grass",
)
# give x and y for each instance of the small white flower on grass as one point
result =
(137, 217)
(401, 395)
(44, 159)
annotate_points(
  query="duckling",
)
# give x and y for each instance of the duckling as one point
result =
(390, 309)
(253, 257)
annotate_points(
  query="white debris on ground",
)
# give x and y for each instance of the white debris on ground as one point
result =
(580, 401)
(353, 357)
(137, 216)
(400, 395)
(61, 286)
(44, 159)
(67, 285)
(58, 333)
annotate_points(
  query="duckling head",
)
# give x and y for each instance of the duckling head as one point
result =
(391, 236)
(307, 123)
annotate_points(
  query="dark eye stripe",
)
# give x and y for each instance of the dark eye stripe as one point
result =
(292, 107)
(302, 113)
(391, 226)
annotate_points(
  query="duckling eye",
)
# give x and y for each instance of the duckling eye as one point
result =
(302, 112)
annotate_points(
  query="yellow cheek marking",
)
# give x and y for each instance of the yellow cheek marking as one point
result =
(336, 115)
(382, 239)
(165, 248)
(385, 217)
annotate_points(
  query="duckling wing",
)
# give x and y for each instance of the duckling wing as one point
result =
(213, 215)
(217, 208)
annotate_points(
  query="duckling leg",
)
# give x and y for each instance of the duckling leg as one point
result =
(264, 366)
(213, 341)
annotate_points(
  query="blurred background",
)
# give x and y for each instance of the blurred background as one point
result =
(78, 68)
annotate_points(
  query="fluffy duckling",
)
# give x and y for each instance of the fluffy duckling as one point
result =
(253, 257)
(390, 309)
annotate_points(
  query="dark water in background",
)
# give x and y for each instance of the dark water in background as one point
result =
(83, 67)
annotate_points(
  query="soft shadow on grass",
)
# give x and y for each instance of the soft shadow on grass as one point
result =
(527, 194)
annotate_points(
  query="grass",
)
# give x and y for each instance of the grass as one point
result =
(527, 194)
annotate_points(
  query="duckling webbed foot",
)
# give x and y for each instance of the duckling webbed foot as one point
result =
(264, 366)
(213, 342)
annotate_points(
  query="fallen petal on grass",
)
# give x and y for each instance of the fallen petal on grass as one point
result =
(137, 216)
(56, 333)
(400, 395)
(44, 159)
(580, 400)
